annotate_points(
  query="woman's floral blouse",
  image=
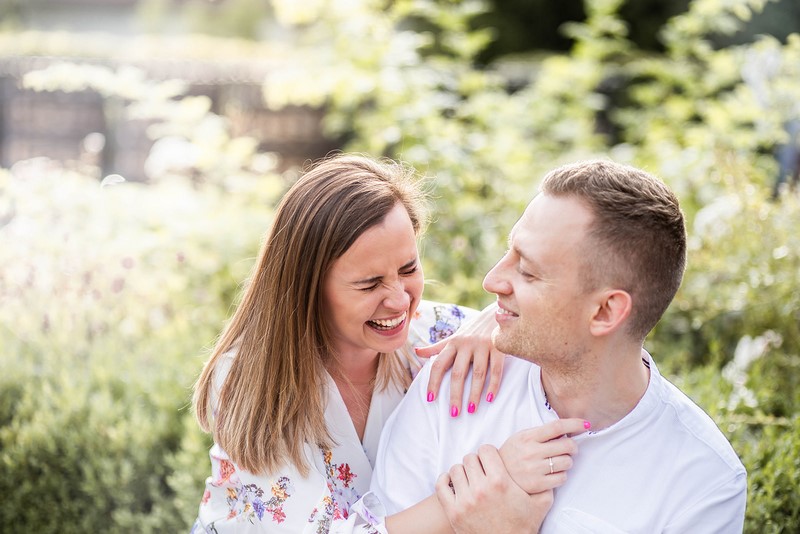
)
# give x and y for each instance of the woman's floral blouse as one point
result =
(284, 501)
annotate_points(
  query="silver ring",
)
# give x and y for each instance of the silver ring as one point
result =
(550, 459)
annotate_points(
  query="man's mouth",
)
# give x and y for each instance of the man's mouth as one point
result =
(507, 313)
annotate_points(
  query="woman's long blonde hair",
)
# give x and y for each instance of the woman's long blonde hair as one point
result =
(272, 402)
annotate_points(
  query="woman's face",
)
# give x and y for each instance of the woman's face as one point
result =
(371, 292)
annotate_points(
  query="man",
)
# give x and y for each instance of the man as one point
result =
(592, 265)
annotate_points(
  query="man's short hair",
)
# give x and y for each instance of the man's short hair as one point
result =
(637, 241)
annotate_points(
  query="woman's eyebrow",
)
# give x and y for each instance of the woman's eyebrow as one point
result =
(373, 280)
(376, 279)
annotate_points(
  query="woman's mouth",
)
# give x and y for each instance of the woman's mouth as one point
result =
(388, 325)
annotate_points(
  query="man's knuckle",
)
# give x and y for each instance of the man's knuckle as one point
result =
(485, 449)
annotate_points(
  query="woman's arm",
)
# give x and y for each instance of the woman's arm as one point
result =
(285, 501)
(485, 493)
(480, 496)
(475, 497)
(425, 517)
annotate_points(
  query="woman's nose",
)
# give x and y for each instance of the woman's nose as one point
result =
(397, 298)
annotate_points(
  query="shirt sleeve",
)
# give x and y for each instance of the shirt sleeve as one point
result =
(284, 501)
(367, 516)
(719, 511)
(236, 500)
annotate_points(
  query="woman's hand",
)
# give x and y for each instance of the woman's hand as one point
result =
(538, 458)
(479, 496)
(471, 344)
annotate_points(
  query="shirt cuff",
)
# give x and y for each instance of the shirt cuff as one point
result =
(367, 516)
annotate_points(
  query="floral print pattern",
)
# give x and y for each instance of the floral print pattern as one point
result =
(341, 494)
(448, 319)
(249, 501)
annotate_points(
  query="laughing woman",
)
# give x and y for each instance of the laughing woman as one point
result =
(319, 351)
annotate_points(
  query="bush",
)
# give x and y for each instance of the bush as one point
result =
(773, 456)
(111, 294)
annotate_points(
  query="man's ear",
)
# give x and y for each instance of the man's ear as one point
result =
(613, 308)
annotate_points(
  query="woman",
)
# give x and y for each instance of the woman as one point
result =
(319, 352)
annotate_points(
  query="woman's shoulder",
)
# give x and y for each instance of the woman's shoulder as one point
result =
(434, 321)
(221, 370)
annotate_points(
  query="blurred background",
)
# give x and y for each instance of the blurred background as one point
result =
(145, 143)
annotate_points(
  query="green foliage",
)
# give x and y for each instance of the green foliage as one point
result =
(773, 456)
(234, 18)
(110, 294)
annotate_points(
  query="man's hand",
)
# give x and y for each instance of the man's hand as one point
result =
(479, 496)
(538, 458)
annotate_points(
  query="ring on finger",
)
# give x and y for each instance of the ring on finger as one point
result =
(550, 461)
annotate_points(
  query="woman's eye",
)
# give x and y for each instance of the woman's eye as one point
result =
(410, 271)
(370, 288)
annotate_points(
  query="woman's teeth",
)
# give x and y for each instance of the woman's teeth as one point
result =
(388, 324)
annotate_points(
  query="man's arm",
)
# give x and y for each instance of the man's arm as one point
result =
(719, 511)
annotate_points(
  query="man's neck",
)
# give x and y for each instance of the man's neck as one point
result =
(605, 390)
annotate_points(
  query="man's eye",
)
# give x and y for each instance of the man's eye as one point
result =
(370, 288)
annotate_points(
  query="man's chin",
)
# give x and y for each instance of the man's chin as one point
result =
(501, 342)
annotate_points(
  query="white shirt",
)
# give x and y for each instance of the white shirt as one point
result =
(665, 467)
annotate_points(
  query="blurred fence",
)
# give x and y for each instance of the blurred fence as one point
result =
(85, 126)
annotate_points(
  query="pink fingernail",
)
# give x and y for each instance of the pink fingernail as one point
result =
(471, 407)
(490, 397)
(587, 425)
(430, 396)
(454, 411)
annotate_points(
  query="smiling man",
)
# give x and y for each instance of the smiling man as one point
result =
(592, 265)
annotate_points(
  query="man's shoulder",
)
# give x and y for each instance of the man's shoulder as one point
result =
(515, 389)
(515, 371)
(699, 428)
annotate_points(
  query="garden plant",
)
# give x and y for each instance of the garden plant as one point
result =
(112, 292)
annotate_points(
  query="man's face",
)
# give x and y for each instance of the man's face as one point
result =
(544, 314)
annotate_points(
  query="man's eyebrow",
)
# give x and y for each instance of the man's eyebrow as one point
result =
(376, 279)
(522, 256)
